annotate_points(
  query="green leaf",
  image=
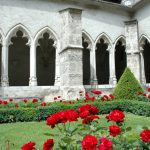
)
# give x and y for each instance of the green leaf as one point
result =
(67, 140)
(128, 129)
(145, 128)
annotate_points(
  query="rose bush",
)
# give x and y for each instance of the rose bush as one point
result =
(88, 135)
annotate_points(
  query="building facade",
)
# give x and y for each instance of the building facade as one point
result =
(60, 47)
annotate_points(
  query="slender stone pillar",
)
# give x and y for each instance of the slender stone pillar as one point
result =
(4, 67)
(33, 78)
(57, 70)
(94, 82)
(112, 71)
(71, 66)
(132, 47)
(143, 78)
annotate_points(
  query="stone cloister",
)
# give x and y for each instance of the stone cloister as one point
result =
(48, 63)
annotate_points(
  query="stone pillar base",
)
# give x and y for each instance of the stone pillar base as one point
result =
(33, 81)
(112, 81)
(4, 81)
(71, 92)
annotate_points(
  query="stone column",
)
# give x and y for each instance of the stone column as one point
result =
(95, 82)
(112, 71)
(33, 78)
(143, 78)
(57, 69)
(132, 47)
(71, 66)
(4, 65)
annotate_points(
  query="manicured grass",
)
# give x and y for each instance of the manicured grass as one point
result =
(19, 133)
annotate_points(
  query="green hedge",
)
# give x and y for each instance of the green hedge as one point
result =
(41, 113)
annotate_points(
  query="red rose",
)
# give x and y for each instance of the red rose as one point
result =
(87, 110)
(43, 104)
(16, 105)
(25, 100)
(111, 96)
(148, 96)
(103, 99)
(106, 96)
(145, 136)
(102, 147)
(55, 98)
(48, 145)
(84, 114)
(106, 142)
(97, 92)
(89, 142)
(10, 99)
(1, 102)
(5, 102)
(86, 94)
(62, 117)
(89, 119)
(116, 116)
(59, 96)
(114, 130)
(148, 89)
(90, 98)
(34, 100)
(94, 110)
(84, 108)
(29, 146)
(144, 94)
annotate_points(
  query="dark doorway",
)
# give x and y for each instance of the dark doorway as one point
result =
(45, 63)
(86, 63)
(19, 61)
(102, 62)
(120, 59)
(146, 55)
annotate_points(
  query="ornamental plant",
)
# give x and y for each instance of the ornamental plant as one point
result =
(127, 86)
(88, 134)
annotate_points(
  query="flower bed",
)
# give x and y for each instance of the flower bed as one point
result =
(88, 135)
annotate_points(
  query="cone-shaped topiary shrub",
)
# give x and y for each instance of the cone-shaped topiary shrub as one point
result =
(128, 86)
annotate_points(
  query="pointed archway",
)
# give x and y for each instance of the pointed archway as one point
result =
(19, 60)
(120, 58)
(145, 54)
(102, 60)
(45, 57)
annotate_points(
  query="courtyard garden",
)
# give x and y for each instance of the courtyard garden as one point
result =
(94, 121)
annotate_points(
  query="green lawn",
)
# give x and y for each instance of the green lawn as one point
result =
(22, 132)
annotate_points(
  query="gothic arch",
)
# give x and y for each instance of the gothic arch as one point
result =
(88, 39)
(120, 56)
(142, 40)
(103, 46)
(46, 42)
(18, 41)
(121, 38)
(19, 27)
(51, 32)
(87, 44)
(106, 38)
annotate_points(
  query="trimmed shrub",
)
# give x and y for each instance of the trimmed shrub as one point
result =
(128, 86)
(8, 115)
